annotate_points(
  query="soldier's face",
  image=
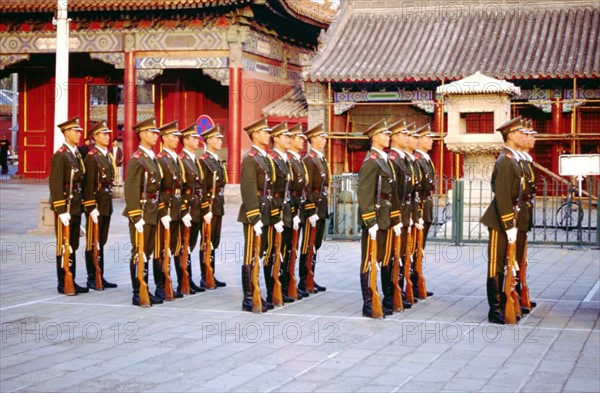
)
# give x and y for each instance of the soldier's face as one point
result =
(102, 139)
(297, 142)
(282, 142)
(72, 136)
(531, 141)
(412, 142)
(149, 138)
(318, 142)
(214, 144)
(191, 142)
(171, 141)
(425, 143)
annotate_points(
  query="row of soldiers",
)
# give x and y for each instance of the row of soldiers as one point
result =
(170, 198)
(395, 203)
(509, 218)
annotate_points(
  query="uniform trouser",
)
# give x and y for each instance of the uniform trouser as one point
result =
(74, 225)
(148, 248)
(215, 239)
(403, 250)
(521, 256)
(159, 249)
(497, 247)
(286, 244)
(304, 249)
(103, 227)
(194, 235)
(249, 257)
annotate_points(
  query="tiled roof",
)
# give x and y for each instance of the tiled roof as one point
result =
(110, 5)
(387, 45)
(98, 113)
(293, 104)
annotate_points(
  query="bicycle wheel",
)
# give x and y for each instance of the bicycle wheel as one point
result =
(569, 216)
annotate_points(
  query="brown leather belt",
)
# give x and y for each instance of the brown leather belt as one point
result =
(296, 193)
(387, 197)
(260, 193)
(278, 194)
(176, 191)
(150, 195)
(188, 191)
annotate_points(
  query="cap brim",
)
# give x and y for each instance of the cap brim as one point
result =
(156, 130)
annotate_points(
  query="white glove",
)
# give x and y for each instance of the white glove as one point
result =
(421, 222)
(420, 225)
(165, 221)
(94, 215)
(258, 228)
(397, 228)
(411, 223)
(279, 227)
(313, 220)
(296, 223)
(187, 220)
(139, 226)
(208, 217)
(511, 235)
(373, 231)
(65, 218)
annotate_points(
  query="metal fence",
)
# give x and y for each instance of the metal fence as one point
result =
(561, 215)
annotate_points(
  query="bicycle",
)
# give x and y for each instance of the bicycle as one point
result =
(569, 215)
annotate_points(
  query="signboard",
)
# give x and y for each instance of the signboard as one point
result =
(203, 123)
(579, 165)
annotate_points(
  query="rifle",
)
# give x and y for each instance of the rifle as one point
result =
(397, 299)
(292, 290)
(277, 296)
(376, 308)
(66, 257)
(310, 276)
(208, 246)
(407, 262)
(512, 309)
(185, 254)
(141, 256)
(96, 240)
(95, 256)
(256, 299)
(525, 301)
(421, 287)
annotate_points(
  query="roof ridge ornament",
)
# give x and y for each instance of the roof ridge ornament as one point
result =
(479, 83)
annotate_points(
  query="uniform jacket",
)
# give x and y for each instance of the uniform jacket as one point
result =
(211, 166)
(373, 168)
(61, 165)
(283, 176)
(299, 179)
(427, 185)
(191, 194)
(506, 180)
(406, 184)
(258, 175)
(525, 217)
(171, 185)
(317, 170)
(139, 164)
(98, 182)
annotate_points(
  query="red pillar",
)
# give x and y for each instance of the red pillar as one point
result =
(111, 109)
(557, 128)
(130, 141)
(234, 137)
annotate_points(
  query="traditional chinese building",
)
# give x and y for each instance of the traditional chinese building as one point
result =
(386, 59)
(228, 59)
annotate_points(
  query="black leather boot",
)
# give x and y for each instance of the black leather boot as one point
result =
(179, 271)
(387, 288)
(317, 286)
(405, 304)
(302, 276)
(105, 284)
(269, 282)
(73, 266)
(218, 283)
(60, 275)
(248, 289)
(159, 278)
(91, 270)
(367, 308)
(494, 295)
(193, 287)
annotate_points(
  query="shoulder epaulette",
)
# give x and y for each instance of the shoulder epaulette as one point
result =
(312, 154)
(252, 153)
(161, 154)
(137, 154)
(374, 156)
(272, 154)
(92, 152)
(182, 155)
(61, 149)
(392, 155)
(417, 155)
(204, 156)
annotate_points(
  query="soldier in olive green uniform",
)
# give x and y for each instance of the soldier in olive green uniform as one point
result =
(169, 210)
(97, 194)
(375, 185)
(297, 187)
(316, 207)
(142, 185)
(191, 194)
(403, 190)
(280, 136)
(213, 201)
(424, 144)
(256, 186)
(66, 175)
(525, 217)
(507, 179)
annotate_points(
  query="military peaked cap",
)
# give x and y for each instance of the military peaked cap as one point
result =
(100, 127)
(296, 130)
(380, 127)
(214, 132)
(169, 128)
(399, 127)
(190, 130)
(259, 125)
(146, 125)
(316, 131)
(280, 129)
(516, 124)
(71, 124)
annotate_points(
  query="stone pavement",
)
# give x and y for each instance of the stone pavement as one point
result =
(100, 342)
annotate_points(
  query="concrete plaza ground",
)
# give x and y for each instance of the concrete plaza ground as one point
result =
(100, 342)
